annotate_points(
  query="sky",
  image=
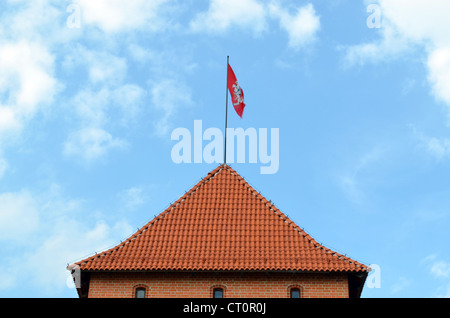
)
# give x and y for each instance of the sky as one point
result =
(91, 91)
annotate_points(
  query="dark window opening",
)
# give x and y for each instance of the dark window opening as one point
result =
(140, 292)
(295, 293)
(217, 293)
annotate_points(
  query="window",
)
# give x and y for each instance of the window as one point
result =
(140, 292)
(295, 293)
(218, 293)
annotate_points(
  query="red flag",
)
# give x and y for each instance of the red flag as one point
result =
(237, 94)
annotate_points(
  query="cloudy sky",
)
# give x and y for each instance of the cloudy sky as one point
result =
(90, 92)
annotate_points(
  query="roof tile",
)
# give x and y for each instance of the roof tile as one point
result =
(222, 223)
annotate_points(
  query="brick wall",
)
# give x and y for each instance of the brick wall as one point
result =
(234, 284)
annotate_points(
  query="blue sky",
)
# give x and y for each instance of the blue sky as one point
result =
(90, 92)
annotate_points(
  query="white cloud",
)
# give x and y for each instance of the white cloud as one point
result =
(390, 45)
(41, 21)
(167, 97)
(27, 83)
(437, 147)
(301, 27)
(91, 144)
(418, 20)
(107, 103)
(97, 111)
(352, 188)
(10, 122)
(107, 68)
(102, 67)
(224, 14)
(440, 269)
(401, 284)
(8, 276)
(113, 16)
(91, 106)
(94, 107)
(91, 141)
(26, 74)
(354, 182)
(68, 240)
(439, 73)
(53, 230)
(129, 99)
(406, 26)
(132, 198)
(445, 293)
(3, 165)
(140, 53)
(18, 217)
(408, 23)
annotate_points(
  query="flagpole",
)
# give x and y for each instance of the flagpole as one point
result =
(226, 116)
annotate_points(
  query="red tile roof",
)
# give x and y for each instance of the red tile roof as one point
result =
(222, 223)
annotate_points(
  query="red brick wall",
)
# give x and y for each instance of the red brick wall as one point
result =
(201, 284)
